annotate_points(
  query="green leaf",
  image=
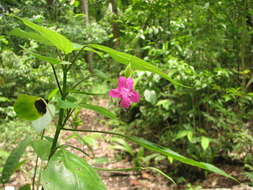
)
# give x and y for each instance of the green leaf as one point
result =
(162, 173)
(137, 168)
(123, 145)
(136, 63)
(4, 99)
(150, 96)
(99, 109)
(167, 152)
(25, 187)
(13, 160)
(84, 48)
(181, 134)
(65, 104)
(190, 136)
(66, 171)
(30, 36)
(103, 111)
(42, 148)
(205, 142)
(47, 59)
(166, 104)
(52, 93)
(85, 140)
(77, 46)
(86, 93)
(4, 40)
(58, 40)
(25, 107)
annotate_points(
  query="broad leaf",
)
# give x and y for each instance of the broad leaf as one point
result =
(25, 107)
(205, 142)
(150, 96)
(30, 36)
(136, 63)
(13, 160)
(53, 37)
(66, 171)
(42, 148)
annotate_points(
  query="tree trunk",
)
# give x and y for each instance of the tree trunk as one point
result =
(50, 9)
(85, 9)
(115, 26)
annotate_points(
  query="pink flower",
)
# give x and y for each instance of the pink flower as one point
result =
(125, 92)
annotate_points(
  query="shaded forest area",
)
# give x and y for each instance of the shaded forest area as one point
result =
(201, 109)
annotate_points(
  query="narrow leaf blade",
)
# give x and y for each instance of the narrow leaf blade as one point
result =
(58, 40)
(168, 152)
(101, 110)
(13, 160)
(47, 59)
(135, 62)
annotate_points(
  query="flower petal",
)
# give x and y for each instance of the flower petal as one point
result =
(125, 102)
(115, 93)
(129, 83)
(135, 97)
(122, 82)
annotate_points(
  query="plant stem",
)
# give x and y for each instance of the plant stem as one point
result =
(60, 123)
(57, 133)
(57, 81)
(36, 164)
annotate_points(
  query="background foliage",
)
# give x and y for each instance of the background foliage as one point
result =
(206, 45)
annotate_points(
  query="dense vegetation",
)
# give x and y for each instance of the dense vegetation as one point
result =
(204, 46)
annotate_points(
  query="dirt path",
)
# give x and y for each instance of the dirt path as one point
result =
(145, 180)
(104, 156)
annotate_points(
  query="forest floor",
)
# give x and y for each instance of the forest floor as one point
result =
(141, 180)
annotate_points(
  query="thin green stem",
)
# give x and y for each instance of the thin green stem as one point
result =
(57, 134)
(57, 80)
(69, 113)
(36, 164)
(60, 123)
